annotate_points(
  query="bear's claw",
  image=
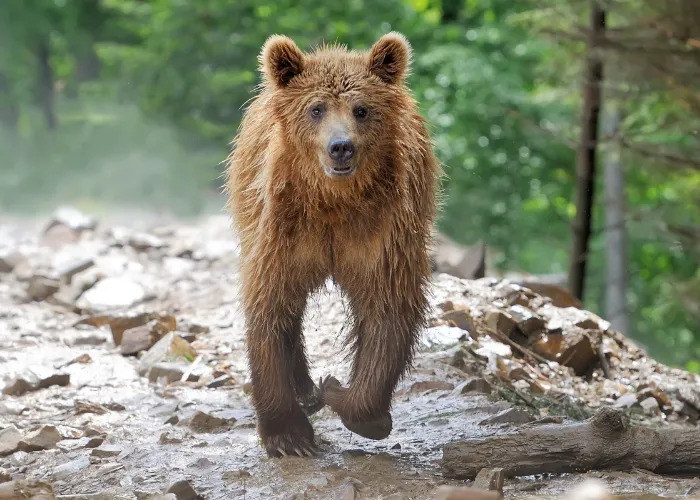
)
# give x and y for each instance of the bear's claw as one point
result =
(287, 445)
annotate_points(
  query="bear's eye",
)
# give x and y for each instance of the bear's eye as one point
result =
(360, 112)
(317, 110)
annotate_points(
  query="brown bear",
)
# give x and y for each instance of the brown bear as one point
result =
(332, 175)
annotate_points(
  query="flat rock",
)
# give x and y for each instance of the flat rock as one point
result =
(476, 385)
(35, 378)
(67, 270)
(163, 410)
(118, 324)
(83, 442)
(170, 372)
(579, 351)
(20, 385)
(345, 491)
(201, 421)
(71, 218)
(442, 335)
(112, 293)
(501, 322)
(175, 436)
(69, 468)
(107, 450)
(145, 241)
(461, 319)
(9, 407)
(513, 416)
(89, 339)
(143, 337)
(627, 400)
(42, 287)
(650, 406)
(528, 322)
(45, 438)
(431, 385)
(235, 475)
(171, 348)
(690, 396)
(183, 490)
(10, 438)
(136, 340)
(220, 382)
(191, 327)
(9, 261)
(490, 479)
(59, 235)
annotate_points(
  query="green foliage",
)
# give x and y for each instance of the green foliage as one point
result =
(478, 86)
(195, 63)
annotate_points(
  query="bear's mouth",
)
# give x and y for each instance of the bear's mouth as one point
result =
(339, 169)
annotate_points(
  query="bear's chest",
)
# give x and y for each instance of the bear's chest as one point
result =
(355, 218)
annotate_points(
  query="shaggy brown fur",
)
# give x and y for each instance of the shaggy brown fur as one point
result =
(303, 217)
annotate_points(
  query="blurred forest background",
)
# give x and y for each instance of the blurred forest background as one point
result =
(537, 107)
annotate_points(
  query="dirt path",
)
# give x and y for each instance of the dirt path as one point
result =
(146, 436)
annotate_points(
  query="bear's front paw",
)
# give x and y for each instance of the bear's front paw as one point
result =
(296, 437)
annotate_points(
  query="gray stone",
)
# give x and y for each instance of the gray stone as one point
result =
(510, 416)
(490, 479)
(183, 490)
(42, 287)
(69, 468)
(112, 293)
(10, 438)
(45, 438)
(475, 385)
(106, 450)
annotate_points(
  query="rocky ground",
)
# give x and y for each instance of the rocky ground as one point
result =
(124, 376)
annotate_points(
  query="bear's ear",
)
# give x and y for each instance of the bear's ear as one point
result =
(281, 59)
(390, 57)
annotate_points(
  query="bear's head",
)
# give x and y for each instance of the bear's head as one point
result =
(340, 110)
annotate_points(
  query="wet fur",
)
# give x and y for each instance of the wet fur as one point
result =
(297, 227)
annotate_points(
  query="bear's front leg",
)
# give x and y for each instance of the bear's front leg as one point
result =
(274, 306)
(389, 312)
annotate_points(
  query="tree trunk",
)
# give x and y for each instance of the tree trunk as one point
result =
(605, 441)
(615, 233)
(450, 11)
(46, 84)
(88, 64)
(586, 164)
(9, 111)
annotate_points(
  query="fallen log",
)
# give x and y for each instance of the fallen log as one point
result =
(605, 441)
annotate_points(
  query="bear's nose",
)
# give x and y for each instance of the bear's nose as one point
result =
(341, 149)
